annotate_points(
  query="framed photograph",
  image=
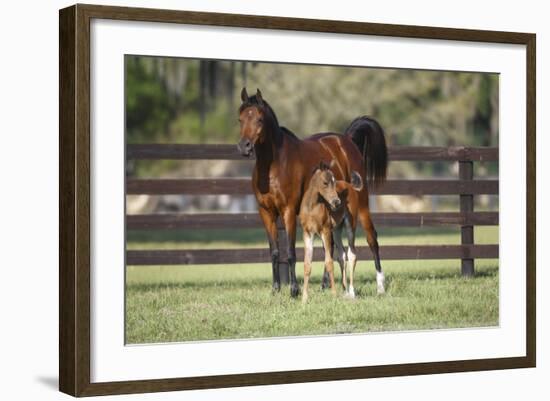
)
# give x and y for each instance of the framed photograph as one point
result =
(250, 200)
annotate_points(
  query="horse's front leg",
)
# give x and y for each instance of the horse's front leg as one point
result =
(269, 218)
(289, 218)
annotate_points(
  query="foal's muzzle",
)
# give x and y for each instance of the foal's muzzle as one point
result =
(335, 204)
(245, 147)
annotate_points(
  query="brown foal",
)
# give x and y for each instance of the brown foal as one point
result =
(327, 206)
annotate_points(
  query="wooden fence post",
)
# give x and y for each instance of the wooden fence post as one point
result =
(466, 172)
(282, 242)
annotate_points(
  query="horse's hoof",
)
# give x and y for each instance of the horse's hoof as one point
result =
(276, 288)
(294, 290)
(351, 293)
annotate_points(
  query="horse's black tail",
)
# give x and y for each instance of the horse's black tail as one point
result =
(369, 137)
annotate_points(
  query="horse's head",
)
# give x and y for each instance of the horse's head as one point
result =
(324, 183)
(252, 114)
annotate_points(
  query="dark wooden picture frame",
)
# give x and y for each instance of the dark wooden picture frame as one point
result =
(74, 203)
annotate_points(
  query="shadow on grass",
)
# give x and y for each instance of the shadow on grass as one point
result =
(364, 281)
(196, 285)
(426, 274)
(367, 285)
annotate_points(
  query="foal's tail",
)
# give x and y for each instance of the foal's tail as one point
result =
(369, 137)
(356, 182)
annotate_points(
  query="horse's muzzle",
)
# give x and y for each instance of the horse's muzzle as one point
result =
(245, 147)
(335, 204)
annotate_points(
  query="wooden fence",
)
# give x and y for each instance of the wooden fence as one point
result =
(466, 187)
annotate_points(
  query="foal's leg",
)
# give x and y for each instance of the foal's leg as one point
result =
(329, 264)
(325, 282)
(270, 223)
(352, 253)
(372, 239)
(308, 257)
(340, 254)
(289, 219)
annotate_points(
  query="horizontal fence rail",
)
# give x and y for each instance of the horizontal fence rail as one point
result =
(243, 186)
(230, 152)
(466, 187)
(252, 220)
(261, 255)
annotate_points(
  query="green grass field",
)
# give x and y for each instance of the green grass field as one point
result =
(187, 303)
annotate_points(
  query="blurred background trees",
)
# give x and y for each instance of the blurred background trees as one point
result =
(195, 101)
(175, 100)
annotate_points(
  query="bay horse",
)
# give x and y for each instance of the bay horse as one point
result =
(283, 169)
(327, 206)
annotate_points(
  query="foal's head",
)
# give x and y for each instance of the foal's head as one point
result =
(323, 183)
(252, 116)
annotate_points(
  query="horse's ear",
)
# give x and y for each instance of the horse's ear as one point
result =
(244, 95)
(323, 166)
(259, 97)
(317, 167)
(332, 163)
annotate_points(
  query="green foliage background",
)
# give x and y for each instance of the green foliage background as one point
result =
(170, 100)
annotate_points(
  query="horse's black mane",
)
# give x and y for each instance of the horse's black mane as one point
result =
(288, 132)
(253, 101)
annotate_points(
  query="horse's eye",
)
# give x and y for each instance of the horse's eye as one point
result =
(260, 121)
